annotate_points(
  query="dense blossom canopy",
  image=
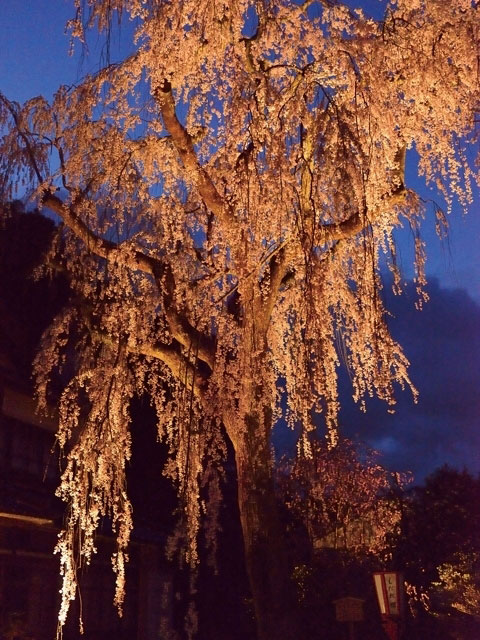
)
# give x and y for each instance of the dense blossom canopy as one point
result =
(227, 194)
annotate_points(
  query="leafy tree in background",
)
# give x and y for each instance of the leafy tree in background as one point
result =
(343, 497)
(441, 519)
(439, 549)
(226, 194)
(459, 584)
(343, 514)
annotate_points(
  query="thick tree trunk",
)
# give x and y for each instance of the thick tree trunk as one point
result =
(265, 546)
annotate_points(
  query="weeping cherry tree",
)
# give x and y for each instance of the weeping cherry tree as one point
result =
(227, 195)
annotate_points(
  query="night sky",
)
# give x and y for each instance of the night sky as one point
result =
(442, 342)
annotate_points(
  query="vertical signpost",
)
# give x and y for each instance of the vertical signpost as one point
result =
(389, 589)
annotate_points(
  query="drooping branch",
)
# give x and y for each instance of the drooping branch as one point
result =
(254, 273)
(358, 221)
(24, 136)
(306, 202)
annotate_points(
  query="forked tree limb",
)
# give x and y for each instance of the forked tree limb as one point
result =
(99, 246)
(358, 222)
(181, 367)
(180, 329)
(329, 234)
(190, 337)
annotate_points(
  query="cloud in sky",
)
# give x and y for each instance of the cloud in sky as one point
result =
(442, 343)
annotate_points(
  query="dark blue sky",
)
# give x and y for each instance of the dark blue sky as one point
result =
(442, 342)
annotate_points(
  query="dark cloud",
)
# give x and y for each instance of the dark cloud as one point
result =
(442, 343)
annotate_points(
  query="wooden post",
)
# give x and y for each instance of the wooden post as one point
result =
(351, 631)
